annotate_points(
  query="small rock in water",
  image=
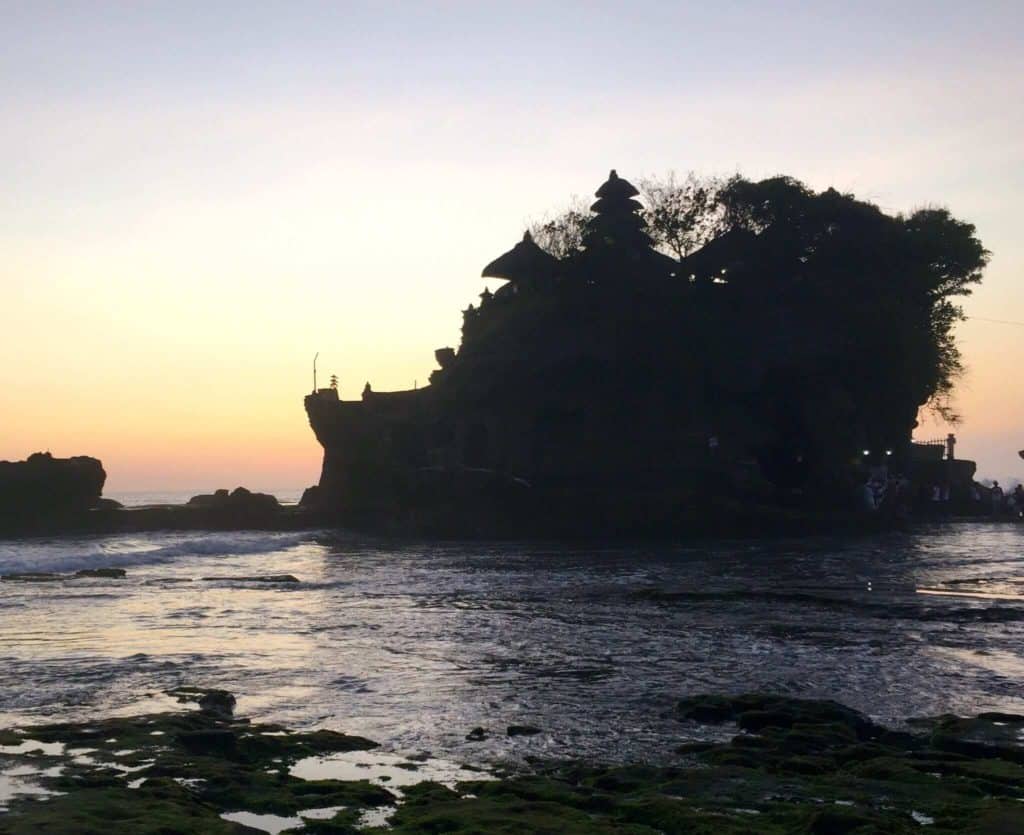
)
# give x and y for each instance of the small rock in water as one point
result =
(110, 573)
(264, 578)
(30, 577)
(479, 735)
(522, 730)
(238, 500)
(218, 702)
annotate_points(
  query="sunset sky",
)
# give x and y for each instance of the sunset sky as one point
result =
(197, 197)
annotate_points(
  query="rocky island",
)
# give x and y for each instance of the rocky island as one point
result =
(756, 380)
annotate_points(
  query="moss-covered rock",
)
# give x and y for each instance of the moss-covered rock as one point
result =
(178, 772)
(799, 767)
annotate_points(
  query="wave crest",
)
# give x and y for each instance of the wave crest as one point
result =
(123, 551)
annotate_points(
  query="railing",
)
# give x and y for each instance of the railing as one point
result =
(947, 444)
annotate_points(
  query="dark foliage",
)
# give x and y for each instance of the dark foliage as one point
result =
(562, 234)
(799, 326)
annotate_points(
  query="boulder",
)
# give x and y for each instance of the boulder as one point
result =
(238, 501)
(43, 486)
(218, 703)
(219, 498)
(312, 498)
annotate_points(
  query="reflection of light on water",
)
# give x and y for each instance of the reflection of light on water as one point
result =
(414, 645)
(279, 823)
(982, 595)
(387, 770)
(130, 769)
(324, 814)
(265, 823)
(13, 784)
(372, 818)
(922, 819)
(34, 746)
(1002, 663)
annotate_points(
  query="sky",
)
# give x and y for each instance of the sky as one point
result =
(197, 197)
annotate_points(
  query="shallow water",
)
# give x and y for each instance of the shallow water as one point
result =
(414, 645)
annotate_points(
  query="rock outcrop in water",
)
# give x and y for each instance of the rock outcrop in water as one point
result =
(239, 501)
(46, 495)
(619, 390)
(43, 487)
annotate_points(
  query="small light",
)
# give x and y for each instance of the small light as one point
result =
(867, 452)
(888, 452)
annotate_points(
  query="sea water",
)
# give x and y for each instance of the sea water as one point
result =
(415, 644)
(285, 495)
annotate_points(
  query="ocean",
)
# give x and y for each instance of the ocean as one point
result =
(285, 495)
(414, 644)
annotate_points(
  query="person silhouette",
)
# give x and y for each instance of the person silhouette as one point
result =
(997, 498)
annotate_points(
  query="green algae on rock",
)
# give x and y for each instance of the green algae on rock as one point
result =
(792, 766)
(178, 772)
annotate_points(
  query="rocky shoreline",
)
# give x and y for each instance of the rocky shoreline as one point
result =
(164, 518)
(46, 496)
(779, 765)
(185, 517)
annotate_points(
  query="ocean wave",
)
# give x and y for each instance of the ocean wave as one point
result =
(121, 552)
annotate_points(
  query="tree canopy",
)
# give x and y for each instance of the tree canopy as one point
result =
(888, 281)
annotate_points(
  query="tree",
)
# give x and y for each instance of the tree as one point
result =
(561, 234)
(801, 326)
(682, 215)
(883, 283)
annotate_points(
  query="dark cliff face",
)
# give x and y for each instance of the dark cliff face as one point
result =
(43, 485)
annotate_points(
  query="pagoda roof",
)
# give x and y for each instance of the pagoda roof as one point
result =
(723, 251)
(523, 262)
(616, 187)
(616, 204)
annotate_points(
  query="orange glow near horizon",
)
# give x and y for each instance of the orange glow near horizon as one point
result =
(200, 197)
(188, 372)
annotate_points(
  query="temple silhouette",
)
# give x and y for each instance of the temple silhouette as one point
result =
(620, 389)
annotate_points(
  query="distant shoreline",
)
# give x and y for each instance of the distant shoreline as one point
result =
(291, 517)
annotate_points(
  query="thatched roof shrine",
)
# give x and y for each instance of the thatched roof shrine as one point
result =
(525, 262)
(618, 220)
(616, 187)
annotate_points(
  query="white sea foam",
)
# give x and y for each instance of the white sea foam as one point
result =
(68, 555)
